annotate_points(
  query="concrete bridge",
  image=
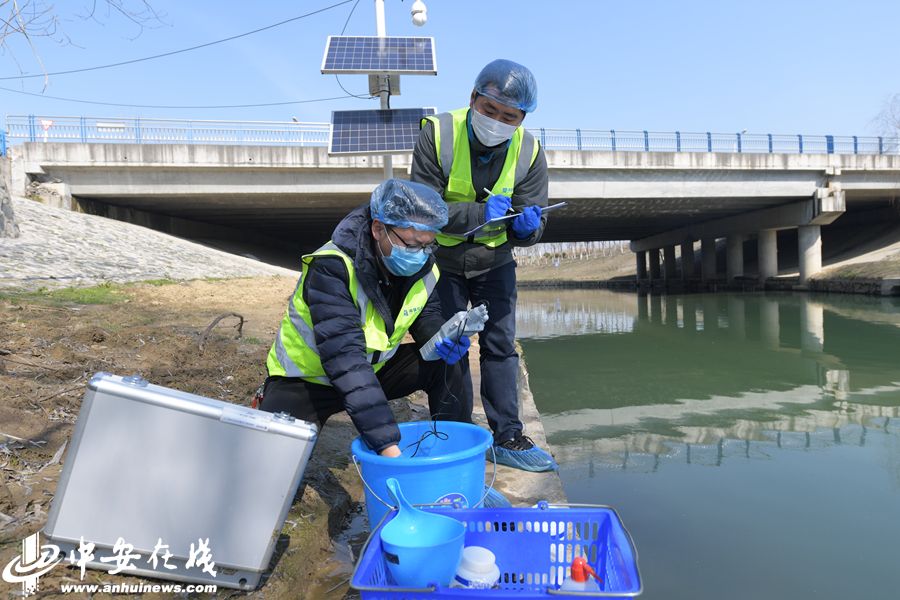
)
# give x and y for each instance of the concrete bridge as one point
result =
(661, 201)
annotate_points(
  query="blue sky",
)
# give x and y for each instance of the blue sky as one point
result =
(788, 66)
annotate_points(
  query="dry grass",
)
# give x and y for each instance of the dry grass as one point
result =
(590, 269)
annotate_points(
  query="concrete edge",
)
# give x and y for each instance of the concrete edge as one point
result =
(521, 488)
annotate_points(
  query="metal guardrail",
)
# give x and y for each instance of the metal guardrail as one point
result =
(755, 143)
(277, 133)
(160, 131)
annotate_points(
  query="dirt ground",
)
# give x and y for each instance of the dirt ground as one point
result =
(50, 346)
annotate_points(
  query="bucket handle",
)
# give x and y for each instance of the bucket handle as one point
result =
(493, 478)
(366, 483)
(477, 504)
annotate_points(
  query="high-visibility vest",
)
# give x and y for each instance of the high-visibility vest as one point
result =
(451, 143)
(294, 352)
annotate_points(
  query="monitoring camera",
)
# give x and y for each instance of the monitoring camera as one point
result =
(419, 13)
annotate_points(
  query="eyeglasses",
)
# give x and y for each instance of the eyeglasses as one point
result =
(426, 248)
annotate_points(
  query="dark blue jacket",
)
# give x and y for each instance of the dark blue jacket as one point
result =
(339, 335)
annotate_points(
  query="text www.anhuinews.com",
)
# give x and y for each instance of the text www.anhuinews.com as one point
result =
(136, 588)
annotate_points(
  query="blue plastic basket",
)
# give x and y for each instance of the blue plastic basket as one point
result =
(534, 549)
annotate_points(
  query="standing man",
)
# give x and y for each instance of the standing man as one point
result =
(460, 154)
(339, 347)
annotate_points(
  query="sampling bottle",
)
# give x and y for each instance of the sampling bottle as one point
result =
(465, 322)
(477, 569)
(582, 578)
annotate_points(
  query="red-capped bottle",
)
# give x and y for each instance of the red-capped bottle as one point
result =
(582, 578)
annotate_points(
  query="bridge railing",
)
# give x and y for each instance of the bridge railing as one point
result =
(277, 133)
(160, 131)
(677, 141)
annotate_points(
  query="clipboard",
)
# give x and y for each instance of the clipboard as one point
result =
(511, 216)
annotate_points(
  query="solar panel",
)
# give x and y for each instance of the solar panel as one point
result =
(361, 54)
(392, 131)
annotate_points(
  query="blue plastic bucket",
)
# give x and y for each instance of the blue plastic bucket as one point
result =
(442, 470)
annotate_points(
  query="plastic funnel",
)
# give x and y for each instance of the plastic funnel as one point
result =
(420, 548)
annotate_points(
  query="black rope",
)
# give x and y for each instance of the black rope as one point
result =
(450, 395)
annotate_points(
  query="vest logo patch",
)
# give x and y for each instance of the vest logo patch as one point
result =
(409, 311)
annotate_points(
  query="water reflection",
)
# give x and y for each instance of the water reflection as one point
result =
(631, 380)
(751, 443)
(543, 314)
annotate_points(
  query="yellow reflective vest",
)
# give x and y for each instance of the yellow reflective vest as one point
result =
(451, 142)
(294, 352)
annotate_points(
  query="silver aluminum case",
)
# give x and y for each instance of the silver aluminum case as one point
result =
(148, 463)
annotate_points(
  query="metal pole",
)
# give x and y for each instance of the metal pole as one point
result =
(381, 31)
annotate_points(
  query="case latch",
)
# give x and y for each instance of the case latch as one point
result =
(283, 416)
(135, 380)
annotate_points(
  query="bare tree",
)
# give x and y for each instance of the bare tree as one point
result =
(31, 20)
(887, 122)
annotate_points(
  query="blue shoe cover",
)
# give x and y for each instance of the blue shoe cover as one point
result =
(521, 453)
(495, 499)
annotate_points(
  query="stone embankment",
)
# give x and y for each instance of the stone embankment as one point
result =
(61, 248)
(8, 227)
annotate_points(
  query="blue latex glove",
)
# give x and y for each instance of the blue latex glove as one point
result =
(450, 352)
(496, 206)
(527, 222)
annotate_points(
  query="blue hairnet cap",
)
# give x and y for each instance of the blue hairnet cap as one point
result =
(403, 203)
(509, 83)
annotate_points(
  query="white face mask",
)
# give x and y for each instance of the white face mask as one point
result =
(491, 132)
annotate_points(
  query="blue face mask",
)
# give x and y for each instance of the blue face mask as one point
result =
(403, 262)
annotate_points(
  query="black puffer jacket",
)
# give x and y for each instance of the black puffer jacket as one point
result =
(339, 335)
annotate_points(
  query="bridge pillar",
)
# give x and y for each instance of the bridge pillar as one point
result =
(809, 252)
(687, 260)
(653, 255)
(767, 253)
(838, 382)
(669, 260)
(689, 312)
(734, 256)
(642, 308)
(737, 318)
(671, 312)
(656, 309)
(770, 323)
(710, 314)
(708, 259)
(641, 258)
(812, 326)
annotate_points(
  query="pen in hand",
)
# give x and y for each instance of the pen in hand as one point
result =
(490, 193)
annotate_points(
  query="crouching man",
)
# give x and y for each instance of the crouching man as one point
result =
(339, 347)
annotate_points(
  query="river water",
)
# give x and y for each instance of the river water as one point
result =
(750, 442)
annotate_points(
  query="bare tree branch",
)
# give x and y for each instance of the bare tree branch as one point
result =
(239, 327)
(887, 122)
(25, 32)
(31, 19)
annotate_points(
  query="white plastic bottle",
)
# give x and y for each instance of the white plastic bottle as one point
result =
(477, 569)
(465, 322)
(582, 578)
